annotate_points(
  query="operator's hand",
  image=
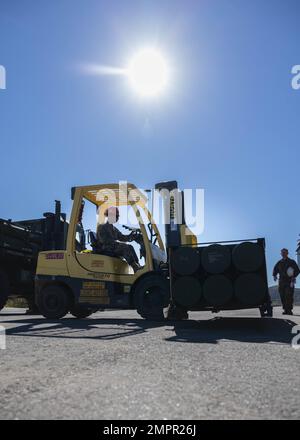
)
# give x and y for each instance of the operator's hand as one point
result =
(131, 236)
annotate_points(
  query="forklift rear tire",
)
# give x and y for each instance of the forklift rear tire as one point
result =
(32, 307)
(53, 302)
(4, 289)
(80, 312)
(151, 296)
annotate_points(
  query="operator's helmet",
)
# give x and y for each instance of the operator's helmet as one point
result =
(112, 213)
(290, 272)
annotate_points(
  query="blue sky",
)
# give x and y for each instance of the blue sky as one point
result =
(229, 122)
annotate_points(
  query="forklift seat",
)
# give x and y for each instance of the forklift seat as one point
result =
(95, 246)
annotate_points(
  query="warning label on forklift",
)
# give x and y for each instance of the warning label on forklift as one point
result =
(94, 292)
(97, 263)
(93, 285)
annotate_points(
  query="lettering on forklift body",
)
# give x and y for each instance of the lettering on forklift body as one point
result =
(55, 256)
(92, 288)
(93, 285)
(97, 263)
(94, 292)
(172, 213)
(101, 276)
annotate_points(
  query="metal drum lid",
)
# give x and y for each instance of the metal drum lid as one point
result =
(187, 291)
(218, 290)
(250, 289)
(185, 260)
(216, 258)
(248, 257)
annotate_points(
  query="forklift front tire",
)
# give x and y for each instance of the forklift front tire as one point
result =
(53, 302)
(151, 296)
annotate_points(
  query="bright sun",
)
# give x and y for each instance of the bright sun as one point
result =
(148, 73)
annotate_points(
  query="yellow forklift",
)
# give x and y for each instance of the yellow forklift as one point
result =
(182, 274)
(81, 281)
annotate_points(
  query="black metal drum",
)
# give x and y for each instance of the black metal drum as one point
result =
(248, 257)
(216, 258)
(187, 291)
(250, 289)
(185, 260)
(218, 290)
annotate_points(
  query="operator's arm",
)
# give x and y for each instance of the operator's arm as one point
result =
(121, 237)
(108, 233)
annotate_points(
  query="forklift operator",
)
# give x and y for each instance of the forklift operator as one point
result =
(111, 240)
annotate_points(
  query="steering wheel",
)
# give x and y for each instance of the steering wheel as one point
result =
(134, 230)
(137, 236)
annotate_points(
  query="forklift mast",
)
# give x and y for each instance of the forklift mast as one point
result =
(55, 229)
(176, 231)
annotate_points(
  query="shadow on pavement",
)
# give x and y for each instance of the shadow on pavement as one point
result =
(212, 331)
(234, 329)
(71, 328)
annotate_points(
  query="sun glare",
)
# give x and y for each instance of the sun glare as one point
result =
(148, 73)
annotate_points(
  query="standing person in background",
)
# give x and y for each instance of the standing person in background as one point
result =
(288, 270)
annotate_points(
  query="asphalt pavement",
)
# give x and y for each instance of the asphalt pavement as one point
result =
(115, 365)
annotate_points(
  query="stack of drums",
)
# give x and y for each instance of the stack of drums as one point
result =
(250, 286)
(186, 289)
(219, 276)
(217, 287)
